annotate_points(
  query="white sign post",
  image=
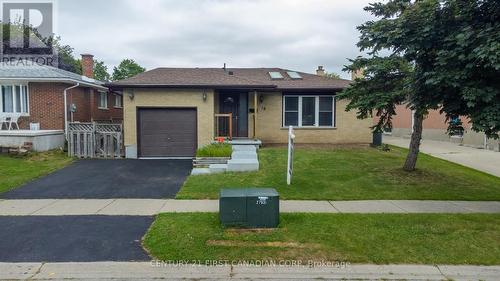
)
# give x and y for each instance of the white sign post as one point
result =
(291, 138)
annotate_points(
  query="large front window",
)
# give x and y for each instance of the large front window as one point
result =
(14, 99)
(308, 111)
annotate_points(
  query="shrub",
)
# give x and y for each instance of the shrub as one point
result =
(215, 150)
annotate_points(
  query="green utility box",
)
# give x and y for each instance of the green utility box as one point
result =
(249, 207)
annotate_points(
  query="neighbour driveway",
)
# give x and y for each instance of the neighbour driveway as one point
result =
(483, 160)
(73, 238)
(103, 179)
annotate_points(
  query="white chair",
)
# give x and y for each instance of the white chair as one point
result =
(13, 118)
(3, 120)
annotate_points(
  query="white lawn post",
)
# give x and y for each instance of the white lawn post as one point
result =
(291, 138)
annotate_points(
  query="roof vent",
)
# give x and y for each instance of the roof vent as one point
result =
(230, 73)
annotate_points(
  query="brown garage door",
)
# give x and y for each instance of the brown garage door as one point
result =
(167, 132)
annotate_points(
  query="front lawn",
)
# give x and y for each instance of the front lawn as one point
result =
(351, 174)
(354, 238)
(15, 171)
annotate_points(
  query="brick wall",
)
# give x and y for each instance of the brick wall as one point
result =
(170, 98)
(433, 120)
(348, 129)
(46, 106)
(111, 114)
(80, 97)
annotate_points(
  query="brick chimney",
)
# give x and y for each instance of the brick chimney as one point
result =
(88, 65)
(320, 71)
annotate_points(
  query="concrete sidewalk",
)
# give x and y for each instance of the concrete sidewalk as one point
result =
(146, 271)
(148, 207)
(483, 160)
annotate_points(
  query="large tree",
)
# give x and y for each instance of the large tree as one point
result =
(127, 68)
(101, 71)
(429, 55)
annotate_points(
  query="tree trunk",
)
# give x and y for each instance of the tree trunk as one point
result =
(416, 136)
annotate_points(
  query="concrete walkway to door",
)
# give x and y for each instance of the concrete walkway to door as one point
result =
(483, 160)
(148, 207)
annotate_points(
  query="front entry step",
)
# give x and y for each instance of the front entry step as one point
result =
(244, 155)
(217, 168)
(243, 159)
(242, 165)
(244, 148)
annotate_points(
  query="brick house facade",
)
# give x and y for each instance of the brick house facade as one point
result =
(435, 127)
(46, 106)
(42, 96)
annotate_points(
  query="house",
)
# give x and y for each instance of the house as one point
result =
(169, 112)
(49, 97)
(435, 127)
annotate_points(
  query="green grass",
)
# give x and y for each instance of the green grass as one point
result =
(354, 238)
(15, 171)
(350, 174)
(215, 150)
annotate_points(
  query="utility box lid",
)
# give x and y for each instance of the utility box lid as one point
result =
(246, 192)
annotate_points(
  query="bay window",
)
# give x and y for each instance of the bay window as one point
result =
(309, 110)
(14, 99)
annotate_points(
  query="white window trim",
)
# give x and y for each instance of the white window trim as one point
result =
(114, 101)
(99, 100)
(14, 99)
(299, 112)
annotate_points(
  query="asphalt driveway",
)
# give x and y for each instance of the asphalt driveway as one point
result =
(103, 179)
(73, 238)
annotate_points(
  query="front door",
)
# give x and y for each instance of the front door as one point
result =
(237, 105)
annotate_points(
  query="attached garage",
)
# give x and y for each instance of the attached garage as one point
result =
(166, 132)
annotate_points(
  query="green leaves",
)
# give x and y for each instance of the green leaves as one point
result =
(442, 54)
(101, 71)
(383, 86)
(127, 68)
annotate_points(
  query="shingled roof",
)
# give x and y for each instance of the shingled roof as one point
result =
(255, 78)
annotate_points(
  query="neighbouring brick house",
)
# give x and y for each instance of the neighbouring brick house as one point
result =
(36, 93)
(169, 112)
(435, 127)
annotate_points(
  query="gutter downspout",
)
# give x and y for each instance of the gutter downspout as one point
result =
(66, 108)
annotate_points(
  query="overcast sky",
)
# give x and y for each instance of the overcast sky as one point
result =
(298, 35)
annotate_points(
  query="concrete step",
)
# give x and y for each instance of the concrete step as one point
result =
(244, 148)
(200, 171)
(244, 155)
(242, 165)
(217, 168)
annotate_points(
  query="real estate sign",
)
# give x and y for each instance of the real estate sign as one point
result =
(291, 138)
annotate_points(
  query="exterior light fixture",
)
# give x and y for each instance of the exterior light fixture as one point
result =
(131, 94)
(204, 95)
